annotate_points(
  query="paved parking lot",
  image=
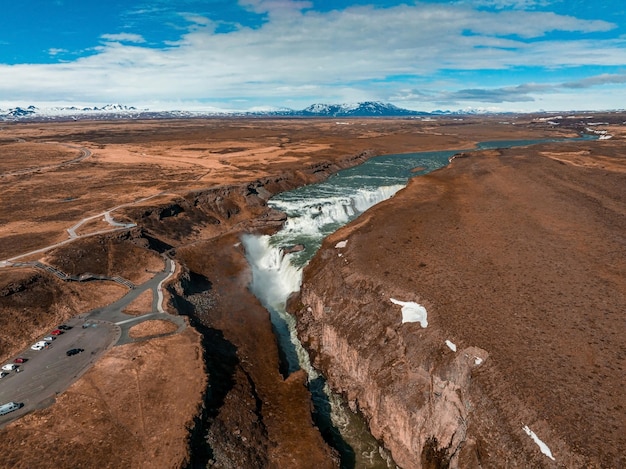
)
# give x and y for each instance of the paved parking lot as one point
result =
(50, 371)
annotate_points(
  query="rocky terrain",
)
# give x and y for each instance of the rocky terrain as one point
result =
(517, 256)
(192, 187)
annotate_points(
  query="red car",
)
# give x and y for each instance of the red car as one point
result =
(20, 360)
(57, 332)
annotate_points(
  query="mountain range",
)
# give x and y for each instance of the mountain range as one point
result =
(119, 111)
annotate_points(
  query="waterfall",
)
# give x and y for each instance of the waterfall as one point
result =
(277, 273)
(274, 278)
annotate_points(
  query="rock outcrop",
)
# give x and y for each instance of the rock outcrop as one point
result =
(413, 389)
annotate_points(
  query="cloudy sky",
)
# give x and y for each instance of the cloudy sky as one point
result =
(519, 55)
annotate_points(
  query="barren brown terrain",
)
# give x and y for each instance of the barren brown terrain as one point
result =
(191, 187)
(518, 257)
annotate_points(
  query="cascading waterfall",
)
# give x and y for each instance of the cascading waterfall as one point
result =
(277, 273)
(274, 278)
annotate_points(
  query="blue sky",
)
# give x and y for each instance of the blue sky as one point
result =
(501, 55)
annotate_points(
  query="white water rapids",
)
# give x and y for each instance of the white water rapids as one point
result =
(276, 275)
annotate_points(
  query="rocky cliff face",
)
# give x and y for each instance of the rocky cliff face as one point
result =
(413, 389)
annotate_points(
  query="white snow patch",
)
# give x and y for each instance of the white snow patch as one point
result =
(477, 361)
(451, 345)
(542, 446)
(341, 244)
(412, 312)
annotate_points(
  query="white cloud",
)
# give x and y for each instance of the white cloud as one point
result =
(54, 51)
(123, 37)
(502, 4)
(275, 7)
(300, 54)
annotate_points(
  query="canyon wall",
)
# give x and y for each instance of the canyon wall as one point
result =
(412, 388)
(253, 417)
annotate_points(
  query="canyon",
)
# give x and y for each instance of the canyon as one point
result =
(209, 183)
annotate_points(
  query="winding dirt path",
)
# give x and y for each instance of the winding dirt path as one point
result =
(84, 154)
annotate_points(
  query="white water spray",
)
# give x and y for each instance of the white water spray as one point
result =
(274, 278)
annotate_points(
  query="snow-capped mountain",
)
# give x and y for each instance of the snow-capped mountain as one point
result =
(364, 109)
(53, 113)
(18, 112)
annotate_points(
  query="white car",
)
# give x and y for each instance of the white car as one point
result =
(39, 345)
(49, 338)
(9, 367)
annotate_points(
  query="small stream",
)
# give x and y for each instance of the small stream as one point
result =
(314, 212)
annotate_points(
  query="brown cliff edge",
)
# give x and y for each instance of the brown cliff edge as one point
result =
(518, 257)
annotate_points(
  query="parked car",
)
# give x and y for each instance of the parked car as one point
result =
(74, 351)
(3, 374)
(20, 360)
(64, 327)
(57, 332)
(9, 367)
(39, 345)
(49, 338)
(9, 407)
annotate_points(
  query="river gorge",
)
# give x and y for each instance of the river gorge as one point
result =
(471, 319)
(277, 261)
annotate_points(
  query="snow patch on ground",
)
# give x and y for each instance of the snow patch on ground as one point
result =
(341, 244)
(451, 345)
(542, 446)
(412, 312)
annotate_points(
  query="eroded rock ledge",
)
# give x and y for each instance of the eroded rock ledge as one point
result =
(413, 389)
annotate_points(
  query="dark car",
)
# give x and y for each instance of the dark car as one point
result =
(63, 327)
(74, 351)
(20, 360)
